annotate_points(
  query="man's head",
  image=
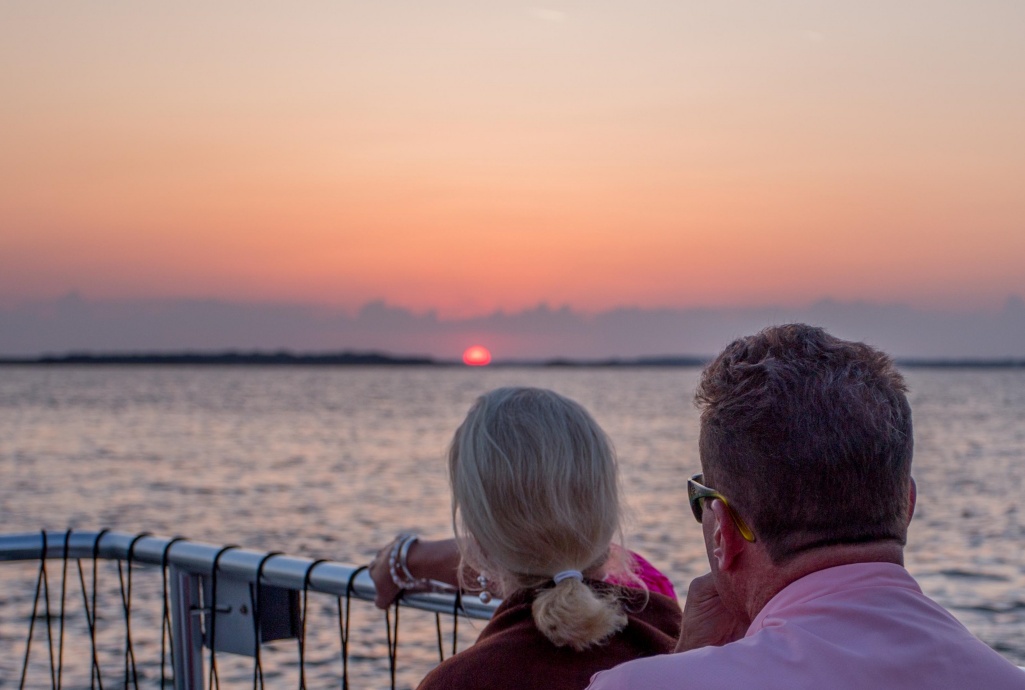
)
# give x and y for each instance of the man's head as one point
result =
(809, 437)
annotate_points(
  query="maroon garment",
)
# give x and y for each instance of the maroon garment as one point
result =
(512, 654)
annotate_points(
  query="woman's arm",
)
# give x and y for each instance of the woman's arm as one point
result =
(427, 560)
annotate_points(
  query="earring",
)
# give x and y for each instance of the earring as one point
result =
(485, 595)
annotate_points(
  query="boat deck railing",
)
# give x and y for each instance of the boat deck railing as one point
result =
(225, 599)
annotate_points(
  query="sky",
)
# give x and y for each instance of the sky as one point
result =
(462, 158)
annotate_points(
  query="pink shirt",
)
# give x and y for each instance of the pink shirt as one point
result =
(851, 627)
(651, 576)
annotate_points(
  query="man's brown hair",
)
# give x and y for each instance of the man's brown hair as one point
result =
(810, 438)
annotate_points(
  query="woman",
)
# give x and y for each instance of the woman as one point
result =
(535, 505)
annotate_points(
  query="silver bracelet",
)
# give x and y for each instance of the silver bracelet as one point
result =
(404, 555)
(397, 566)
(400, 572)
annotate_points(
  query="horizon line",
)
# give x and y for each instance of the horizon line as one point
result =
(349, 358)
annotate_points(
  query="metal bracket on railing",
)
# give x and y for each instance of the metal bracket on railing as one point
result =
(278, 611)
(186, 629)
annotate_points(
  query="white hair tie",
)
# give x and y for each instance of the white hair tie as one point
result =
(567, 574)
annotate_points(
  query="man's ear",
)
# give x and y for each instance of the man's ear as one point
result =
(912, 497)
(727, 541)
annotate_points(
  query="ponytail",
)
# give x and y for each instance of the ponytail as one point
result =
(571, 613)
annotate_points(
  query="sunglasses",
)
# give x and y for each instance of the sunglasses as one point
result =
(696, 492)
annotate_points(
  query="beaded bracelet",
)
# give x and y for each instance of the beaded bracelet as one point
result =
(399, 568)
(404, 555)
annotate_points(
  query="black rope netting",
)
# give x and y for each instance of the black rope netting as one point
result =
(126, 602)
(215, 681)
(166, 638)
(255, 600)
(42, 584)
(43, 611)
(302, 623)
(344, 627)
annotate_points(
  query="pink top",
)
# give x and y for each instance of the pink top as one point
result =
(651, 576)
(851, 627)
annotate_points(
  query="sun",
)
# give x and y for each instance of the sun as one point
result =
(476, 356)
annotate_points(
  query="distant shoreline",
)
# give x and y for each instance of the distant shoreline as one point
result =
(381, 359)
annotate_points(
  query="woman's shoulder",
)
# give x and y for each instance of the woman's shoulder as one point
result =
(653, 619)
(504, 641)
(507, 654)
(511, 653)
(460, 672)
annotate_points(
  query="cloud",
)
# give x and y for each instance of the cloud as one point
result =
(76, 324)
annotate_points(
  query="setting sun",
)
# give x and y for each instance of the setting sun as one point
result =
(476, 356)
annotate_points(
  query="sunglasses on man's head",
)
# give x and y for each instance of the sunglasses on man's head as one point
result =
(697, 492)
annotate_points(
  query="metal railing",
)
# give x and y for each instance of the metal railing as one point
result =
(229, 599)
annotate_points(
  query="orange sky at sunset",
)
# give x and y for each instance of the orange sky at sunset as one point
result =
(471, 156)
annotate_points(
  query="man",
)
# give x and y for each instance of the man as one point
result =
(804, 501)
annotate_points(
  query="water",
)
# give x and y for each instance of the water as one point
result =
(331, 462)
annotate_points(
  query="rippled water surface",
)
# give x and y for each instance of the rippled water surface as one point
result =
(331, 462)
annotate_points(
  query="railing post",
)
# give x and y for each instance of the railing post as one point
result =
(186, 629)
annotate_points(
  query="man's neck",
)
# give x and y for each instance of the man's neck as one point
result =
(773, 578)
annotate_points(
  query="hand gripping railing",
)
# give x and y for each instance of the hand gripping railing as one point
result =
(219, 583)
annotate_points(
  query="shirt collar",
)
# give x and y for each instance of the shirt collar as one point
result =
(840, 578)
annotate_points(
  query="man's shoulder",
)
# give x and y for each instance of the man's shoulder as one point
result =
(708, 668)
(739, 665)
(903, 641)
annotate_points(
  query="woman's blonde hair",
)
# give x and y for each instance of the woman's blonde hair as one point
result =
(535, 492)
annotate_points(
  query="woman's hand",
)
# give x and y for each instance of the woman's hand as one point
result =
(380, 573)
(428, 560)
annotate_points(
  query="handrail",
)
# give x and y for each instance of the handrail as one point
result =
(224, 619)
(289, 572)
